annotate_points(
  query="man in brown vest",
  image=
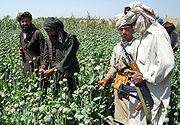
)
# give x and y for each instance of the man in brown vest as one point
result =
(31, 43)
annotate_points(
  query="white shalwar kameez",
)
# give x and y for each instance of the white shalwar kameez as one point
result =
(156, 62)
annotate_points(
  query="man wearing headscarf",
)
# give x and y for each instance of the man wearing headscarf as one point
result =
(155, 60)
(119, 69)
(170, 28)
(60, 53)
(31, 43)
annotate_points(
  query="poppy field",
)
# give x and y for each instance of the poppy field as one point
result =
(24, 105)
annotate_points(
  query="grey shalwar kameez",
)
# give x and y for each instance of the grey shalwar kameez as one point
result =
(60, 52)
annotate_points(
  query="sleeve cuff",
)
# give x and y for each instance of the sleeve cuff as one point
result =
(61, 69)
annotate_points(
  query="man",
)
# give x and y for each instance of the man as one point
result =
(60, 53)
(31, 43)
(170, 28)
(119, 67)
(155, 60)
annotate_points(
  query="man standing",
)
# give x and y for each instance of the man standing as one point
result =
(31, 43)
(170, 28)
(119, 69)
(155, 60)
(60, 53)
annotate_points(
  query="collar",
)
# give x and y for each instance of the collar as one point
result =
(128, 43)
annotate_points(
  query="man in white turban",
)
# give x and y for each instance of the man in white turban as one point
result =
(155, 60)
(118, 69)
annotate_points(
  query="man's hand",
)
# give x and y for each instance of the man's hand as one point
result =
(102, 82)
(48, 72)
(42, 67)
(136, 77)
(20, 51)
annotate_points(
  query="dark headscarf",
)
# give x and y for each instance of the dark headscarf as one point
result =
(168, 25)
(57, 25)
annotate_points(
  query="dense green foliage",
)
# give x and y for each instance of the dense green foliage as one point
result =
(19, 105)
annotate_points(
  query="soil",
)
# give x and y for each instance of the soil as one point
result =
(175, 21)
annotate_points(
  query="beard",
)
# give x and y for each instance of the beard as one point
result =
(25, 28)
(124, 37)
(53, 38)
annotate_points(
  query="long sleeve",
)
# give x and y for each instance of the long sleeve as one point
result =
(69, 56)
(174, 39)
(112, 70)
(41, 47)
(155, 58)
(45, 60)
(20, 39)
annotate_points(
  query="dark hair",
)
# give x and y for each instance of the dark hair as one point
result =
(168, 25)
(23, 15)
(53, 23)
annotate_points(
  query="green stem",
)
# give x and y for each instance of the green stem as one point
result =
(100, 96)
(65, 120)
(90, 97)
(101, 121)
(35, 117)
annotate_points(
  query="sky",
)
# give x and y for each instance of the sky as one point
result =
(100, 9)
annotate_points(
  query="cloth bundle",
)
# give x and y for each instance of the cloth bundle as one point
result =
(139, 15)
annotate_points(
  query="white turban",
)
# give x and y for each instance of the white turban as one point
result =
(141, 16)
(120, 20)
